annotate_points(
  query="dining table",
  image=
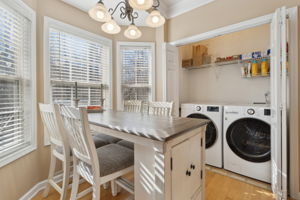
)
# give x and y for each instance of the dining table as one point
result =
(169, 152)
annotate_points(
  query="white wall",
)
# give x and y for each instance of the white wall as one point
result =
(224, 83)
(221, 84)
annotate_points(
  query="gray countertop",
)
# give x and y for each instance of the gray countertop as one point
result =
(149, 126)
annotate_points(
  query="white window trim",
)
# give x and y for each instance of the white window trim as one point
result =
(119, 80)
(26, 11)
(67, 28)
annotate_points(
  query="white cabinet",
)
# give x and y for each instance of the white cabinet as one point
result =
(187, 169)
(172, 171)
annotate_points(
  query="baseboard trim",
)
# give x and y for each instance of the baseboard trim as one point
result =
(39, 187)
(295, 196)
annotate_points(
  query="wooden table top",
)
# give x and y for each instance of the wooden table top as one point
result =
(144, 125)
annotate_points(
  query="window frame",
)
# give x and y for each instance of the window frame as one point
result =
(24, 10)
(119, 70)
(67, 28)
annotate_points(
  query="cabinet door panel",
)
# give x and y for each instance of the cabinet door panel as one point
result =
(180, 180)
(195, 164)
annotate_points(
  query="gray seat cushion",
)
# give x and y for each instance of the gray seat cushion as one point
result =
(106, 138)
(99, 142)
(113, 158)
(126, 144)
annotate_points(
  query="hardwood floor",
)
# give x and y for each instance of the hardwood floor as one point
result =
(218, 187)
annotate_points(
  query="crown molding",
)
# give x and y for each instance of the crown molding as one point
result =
(182, 7)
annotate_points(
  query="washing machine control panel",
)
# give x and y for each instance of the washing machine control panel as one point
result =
(213, 109)
(251, 111)
(198, 108)
(267, 112)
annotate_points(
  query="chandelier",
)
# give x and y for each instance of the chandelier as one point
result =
(127, 10)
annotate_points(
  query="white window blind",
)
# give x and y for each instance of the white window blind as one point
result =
(16, 83)
(76, 59)
(136, 69)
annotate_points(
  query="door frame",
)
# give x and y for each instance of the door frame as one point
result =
(293, 127)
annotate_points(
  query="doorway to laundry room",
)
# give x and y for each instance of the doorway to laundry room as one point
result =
(236, 77)
(232, 77)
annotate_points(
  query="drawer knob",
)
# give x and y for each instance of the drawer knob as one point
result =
(193, 166)
(188, 173)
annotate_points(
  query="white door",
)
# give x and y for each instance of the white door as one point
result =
(279, 103)
(171, 76)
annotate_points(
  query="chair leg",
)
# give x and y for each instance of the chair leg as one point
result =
(114, 188)
(51, 173)
(96, 192)
(66, 177)
(75, 184)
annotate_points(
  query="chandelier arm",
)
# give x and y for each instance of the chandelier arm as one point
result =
(134, 15)
(123, 13)
(157, 4)
(112, 11)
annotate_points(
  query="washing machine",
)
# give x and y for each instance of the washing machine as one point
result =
(213, 135)
(247, 141)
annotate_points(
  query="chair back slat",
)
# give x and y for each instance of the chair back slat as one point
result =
(49, 120)
(160, 108)
(80, 138)
(73, 125)
(133, 106)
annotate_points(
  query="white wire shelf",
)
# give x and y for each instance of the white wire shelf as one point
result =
(257, 59)
(199, 67)
(229, 62)
(257, 76)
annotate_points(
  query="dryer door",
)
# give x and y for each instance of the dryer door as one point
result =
(211, 130)
(250, 139)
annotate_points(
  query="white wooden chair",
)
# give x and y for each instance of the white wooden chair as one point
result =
(59, 149)
(96, 166)
(133, 106)
(160, 108)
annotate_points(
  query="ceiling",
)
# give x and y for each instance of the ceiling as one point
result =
(169, 8)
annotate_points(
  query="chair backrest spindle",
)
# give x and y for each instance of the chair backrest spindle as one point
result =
(80, 137)
(160, 108)
(55, 130)
(133, 106)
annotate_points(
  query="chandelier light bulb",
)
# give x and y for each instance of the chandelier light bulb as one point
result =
(155, 19)
(99, 13)
(132, 32)
(141, 4)
(111, 27)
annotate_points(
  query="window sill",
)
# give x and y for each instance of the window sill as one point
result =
(16, 155)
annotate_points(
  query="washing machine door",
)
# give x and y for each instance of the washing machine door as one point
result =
(250, 139)
(211, 130)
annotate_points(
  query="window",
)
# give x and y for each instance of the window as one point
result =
(76, 56)
(17, 81)
(135, 72)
